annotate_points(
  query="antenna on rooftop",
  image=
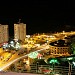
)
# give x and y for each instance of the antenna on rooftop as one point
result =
(19, 21)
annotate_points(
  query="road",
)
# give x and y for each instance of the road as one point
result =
(16, 58)
(14, 73)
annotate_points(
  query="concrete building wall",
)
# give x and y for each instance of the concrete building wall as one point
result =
(4, 33)
(16, 31)
(59, 50)
(1, 34)
(20, 31)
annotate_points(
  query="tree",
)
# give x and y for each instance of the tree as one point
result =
(72, 46)
(53, 61)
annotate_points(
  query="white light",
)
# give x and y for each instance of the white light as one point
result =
(70, 58)
(73, 63)
(12, 45)
(37, 45)
(28, 36)
(27, 62)
(16, 40)
(11, 42)
(57, 74)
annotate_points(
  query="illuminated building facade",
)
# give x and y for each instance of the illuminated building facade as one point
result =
(59, 50)
(4, 33)
(20, 31)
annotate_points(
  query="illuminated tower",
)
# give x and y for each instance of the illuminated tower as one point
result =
(20, 31)
(4, 33)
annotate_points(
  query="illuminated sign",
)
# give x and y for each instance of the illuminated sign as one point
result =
(33, 55)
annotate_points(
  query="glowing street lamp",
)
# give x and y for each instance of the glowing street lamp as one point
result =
(73, 63)
(70, 65)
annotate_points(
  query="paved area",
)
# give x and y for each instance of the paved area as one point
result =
(14, 73)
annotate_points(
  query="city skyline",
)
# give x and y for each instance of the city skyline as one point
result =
(56, 48)
(19, 32)
(33, 29)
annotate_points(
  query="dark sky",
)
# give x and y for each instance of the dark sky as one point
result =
(39, 15)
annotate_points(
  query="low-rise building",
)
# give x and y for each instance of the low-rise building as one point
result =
(58, 48)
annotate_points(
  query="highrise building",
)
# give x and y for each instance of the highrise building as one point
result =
(4, 33)
(20, 31)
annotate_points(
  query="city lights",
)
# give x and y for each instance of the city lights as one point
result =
(36, 47)
(37, 37)
(33, 55)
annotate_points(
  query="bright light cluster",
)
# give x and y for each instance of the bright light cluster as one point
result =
(11, 45)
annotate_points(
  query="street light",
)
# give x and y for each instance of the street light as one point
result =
(70, 65)
(73, 63)
(37, 64)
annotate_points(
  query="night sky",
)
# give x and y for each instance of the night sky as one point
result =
(39, 15)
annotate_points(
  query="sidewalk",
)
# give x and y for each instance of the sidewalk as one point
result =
(14, 73)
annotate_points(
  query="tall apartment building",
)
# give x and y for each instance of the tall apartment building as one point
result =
(4, 33)
(20, 31)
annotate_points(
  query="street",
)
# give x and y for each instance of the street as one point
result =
(14, 73)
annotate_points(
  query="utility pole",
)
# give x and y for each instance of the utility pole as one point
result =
(69, 69)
